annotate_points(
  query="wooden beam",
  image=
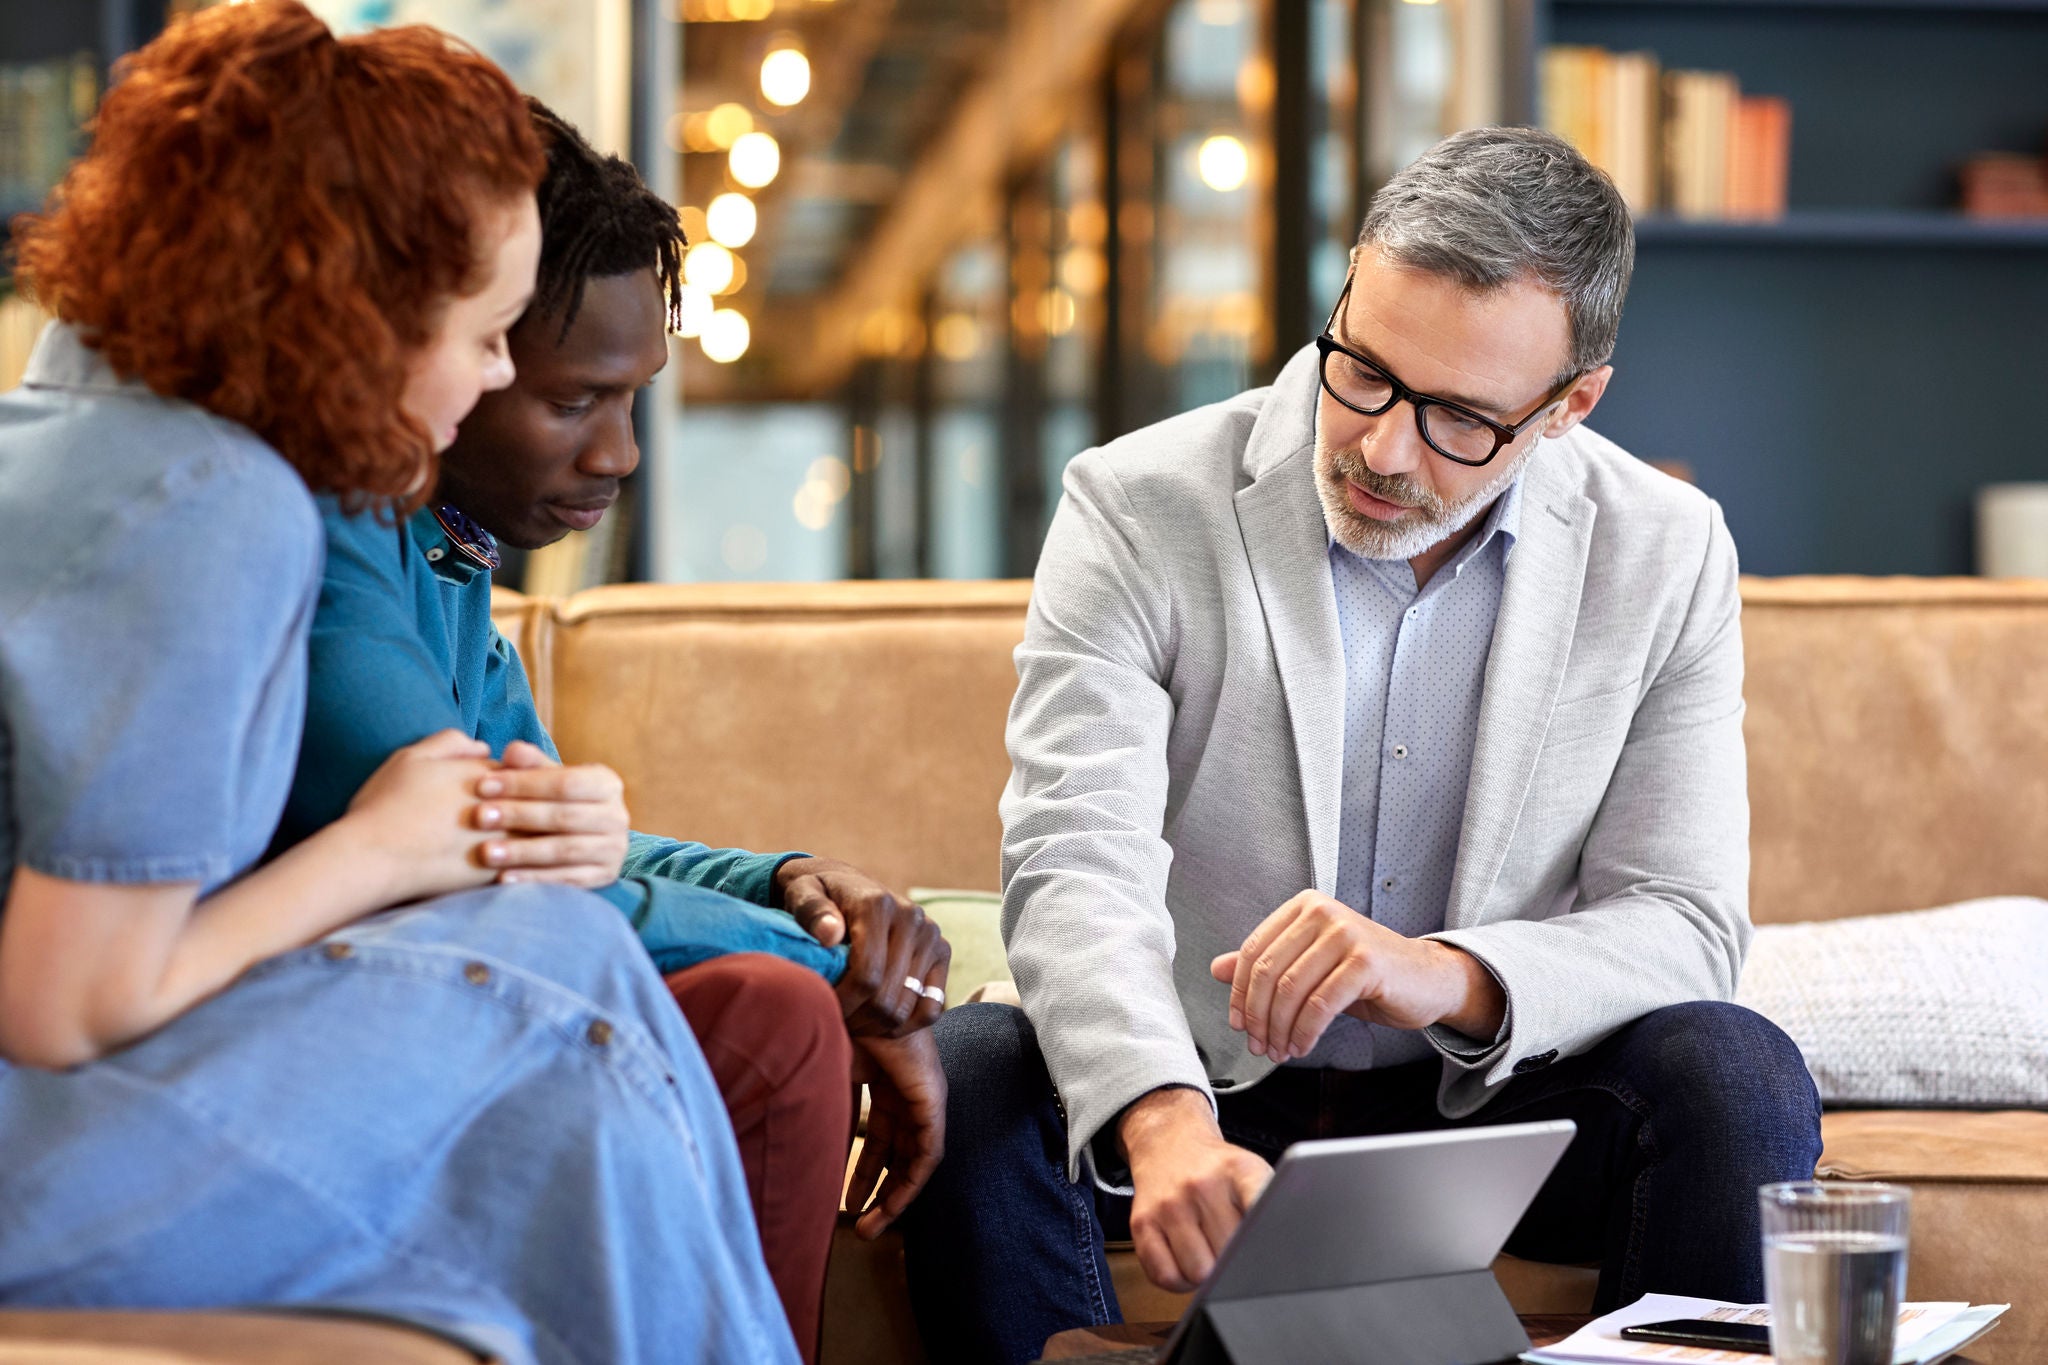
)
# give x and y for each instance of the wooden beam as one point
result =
(1051, 54)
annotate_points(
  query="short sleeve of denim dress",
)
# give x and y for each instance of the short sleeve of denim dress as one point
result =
(154, 680)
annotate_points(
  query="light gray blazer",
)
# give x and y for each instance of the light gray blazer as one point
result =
(1177, 752)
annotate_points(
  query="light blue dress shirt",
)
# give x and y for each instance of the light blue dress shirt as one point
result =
(481, 1113)
(1414, 671)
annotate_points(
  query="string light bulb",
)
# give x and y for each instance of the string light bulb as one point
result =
(1223, 162)
(727, 124)
(754, 160)
(708, 266)
(785, 77)
(726, 336)
(693, 308)
(731, 220)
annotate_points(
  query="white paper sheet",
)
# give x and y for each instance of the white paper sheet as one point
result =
(1922, 1330)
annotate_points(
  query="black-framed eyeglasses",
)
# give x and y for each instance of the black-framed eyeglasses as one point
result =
(1452, 430)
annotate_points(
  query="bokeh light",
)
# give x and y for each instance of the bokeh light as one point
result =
(731, 220)
(708, 266)
(785, 77)
(695, 308)
(754, 160)
(726, 336)
(1223, 162)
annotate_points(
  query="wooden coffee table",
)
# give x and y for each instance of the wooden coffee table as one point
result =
(1544, 1330)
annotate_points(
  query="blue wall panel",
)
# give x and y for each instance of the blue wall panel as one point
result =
(1842, 402)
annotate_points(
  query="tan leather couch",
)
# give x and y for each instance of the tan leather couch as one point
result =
(1898, 747)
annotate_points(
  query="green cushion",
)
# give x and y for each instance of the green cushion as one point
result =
(972, 922)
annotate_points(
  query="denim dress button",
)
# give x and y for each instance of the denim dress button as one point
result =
(476, 973)
(599, 1033)
(335, 952)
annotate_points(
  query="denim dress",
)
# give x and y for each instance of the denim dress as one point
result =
(482, 1114)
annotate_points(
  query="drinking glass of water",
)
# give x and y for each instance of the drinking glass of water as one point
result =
(1834, 1270)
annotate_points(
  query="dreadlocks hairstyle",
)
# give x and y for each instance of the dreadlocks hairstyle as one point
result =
(598, 218)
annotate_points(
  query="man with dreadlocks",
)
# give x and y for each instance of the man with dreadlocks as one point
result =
(403, 647)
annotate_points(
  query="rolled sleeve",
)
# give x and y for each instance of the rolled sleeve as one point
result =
(729, 871)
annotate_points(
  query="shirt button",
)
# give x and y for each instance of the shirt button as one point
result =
(1413, 612)
(436, 554)
(1400, 751)
(476, 973)
(599, 1033)
(1387, 885)
(335, 952)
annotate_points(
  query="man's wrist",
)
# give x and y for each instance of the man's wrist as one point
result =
(1161, 1115)
(1478, 1004)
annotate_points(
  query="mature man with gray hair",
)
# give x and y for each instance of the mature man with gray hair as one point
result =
(1378, 766)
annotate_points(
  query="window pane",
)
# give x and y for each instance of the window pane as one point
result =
(754, 492)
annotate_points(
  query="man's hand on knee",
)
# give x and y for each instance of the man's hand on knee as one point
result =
(897, 960)
(1192, 1186)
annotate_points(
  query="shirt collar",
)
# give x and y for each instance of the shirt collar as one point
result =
(454, 546)
(62, 360)
(468, 535)
(1505, 518)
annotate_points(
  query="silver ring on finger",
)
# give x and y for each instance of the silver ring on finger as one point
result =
(913, 985)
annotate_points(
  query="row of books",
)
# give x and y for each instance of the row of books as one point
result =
(1688, 143)
(43, 107)
(2004, 185)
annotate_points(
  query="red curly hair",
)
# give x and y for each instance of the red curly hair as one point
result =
(270, 220)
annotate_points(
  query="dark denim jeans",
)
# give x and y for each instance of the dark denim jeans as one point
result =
(1682, 1115)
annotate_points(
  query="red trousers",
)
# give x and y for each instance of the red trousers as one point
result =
(777, 1046)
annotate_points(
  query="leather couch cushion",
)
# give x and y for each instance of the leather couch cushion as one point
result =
(1919, 1145)
(864, 721)
(1980, 1207)
(1893, 763)
(1896, 743)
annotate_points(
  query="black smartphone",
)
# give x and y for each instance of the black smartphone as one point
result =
(1725, 1336)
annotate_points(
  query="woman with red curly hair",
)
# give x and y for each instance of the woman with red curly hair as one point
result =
(286, 266)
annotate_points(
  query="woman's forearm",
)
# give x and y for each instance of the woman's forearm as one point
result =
(87, 967)
(310, 890)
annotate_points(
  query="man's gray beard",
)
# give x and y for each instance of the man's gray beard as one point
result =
(1432, 523)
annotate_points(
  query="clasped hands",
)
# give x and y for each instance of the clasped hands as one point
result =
(1309, 961)
(537, 820)
(543, 821)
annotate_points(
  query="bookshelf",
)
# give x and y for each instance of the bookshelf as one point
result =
(91, 33)
(1849, 228)
(1950, 6)
(66, 51)
(1844, 378)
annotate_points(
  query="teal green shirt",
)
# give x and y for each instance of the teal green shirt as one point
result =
(403, 646)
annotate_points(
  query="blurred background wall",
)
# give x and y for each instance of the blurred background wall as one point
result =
(944, 245)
